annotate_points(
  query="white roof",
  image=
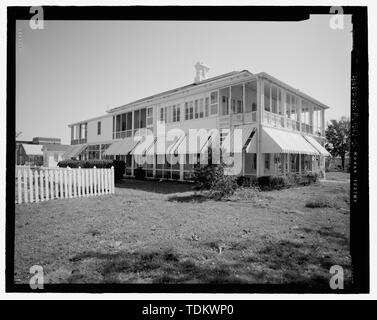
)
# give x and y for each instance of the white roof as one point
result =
(33, 149)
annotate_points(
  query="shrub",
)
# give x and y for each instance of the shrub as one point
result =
(119, 165)
(139, 173)
(223, 185)
(308, 178)
(272, 182)
(211, 177)
(86, 163)
(119, 169)
(246, 182)
(319, 203)
(203, 176)
(293, 179)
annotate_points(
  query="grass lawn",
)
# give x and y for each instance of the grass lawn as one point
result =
(162, 232)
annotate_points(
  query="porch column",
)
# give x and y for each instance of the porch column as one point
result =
(132, 164)
(322, 122)
(299, 108)
(243, 121)
(299, 163)
(243, 98)
(284, 106)
(154, 165)
(243, 155)
(311, 117)
(181, 166)
(259, 126)
(230, 114)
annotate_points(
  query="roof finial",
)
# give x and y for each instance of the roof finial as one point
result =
(201, 71)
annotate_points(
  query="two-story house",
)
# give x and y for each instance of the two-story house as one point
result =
(277, 129)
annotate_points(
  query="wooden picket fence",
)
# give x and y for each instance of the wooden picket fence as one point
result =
(42, 184)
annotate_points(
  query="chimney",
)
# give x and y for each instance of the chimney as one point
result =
(201, 71)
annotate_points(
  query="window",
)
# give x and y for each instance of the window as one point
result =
(191, 113)
(118, 122)
(225, 105)
(143, 118)
(305, 111)
(93, 152)
(176, 113)
(214, 99)
(162, 115)
(274, 99)
(190, 110)
(56, 157)
(140, 119)
(136, 119)
(122, 125)
(129, 124)
(251, 96)
(186, 111)
(98, 127)
(294, 107)
(150, 116)
(288, 105)
(233, 106)
(206, 107)
(196, 109)
(201, 108)
(124, 122)
(239, 106)
(267, 92)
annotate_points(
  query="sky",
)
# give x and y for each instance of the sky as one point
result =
(76, 70)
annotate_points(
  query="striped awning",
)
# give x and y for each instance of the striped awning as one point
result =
(163, 145)
(122, 147)
(240, 133)
(282, 141)
(144, 144)
(317, 146)
(194, 144)
(74, 151)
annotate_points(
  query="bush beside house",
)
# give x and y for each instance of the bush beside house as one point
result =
(119, 165)
(212, 178)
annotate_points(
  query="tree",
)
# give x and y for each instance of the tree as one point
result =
(338, 135)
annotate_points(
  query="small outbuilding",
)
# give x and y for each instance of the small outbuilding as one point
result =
(53, 153)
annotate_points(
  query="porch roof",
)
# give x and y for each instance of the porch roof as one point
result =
(33, 149)
(317, 146)
(281, 141)
(122, 147)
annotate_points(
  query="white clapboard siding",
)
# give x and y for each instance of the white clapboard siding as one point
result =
(44, 184)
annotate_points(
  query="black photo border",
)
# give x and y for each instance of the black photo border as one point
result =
(359, 216)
